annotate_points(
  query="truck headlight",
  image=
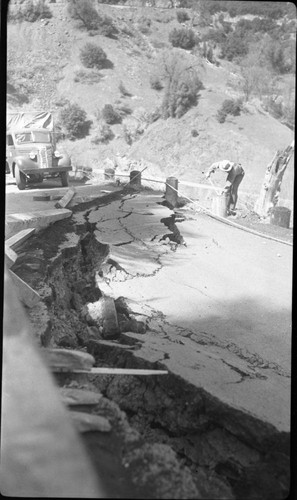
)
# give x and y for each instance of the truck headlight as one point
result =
(57, 154)
(32, 155)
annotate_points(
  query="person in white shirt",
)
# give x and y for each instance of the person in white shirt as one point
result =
(234, 178)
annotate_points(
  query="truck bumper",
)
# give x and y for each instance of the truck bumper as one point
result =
(41, 171)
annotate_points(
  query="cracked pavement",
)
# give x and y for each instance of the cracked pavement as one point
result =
(218, 309)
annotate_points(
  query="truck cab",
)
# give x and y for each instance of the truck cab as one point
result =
(31, 156)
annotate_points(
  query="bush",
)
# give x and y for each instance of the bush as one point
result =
(163, 17)
(110, 115)
(87, 77)
(156, 82)
(127, 135)
(123, 110)
(183, 38)
(180, 96)
(221, 116)
(30, 12)
(235, 46)
(182, 16)
(92, 56)
(144, 24)
(104, 134)
(229, 107)
(182, 84)
(194, 132)
(73, 120)
(84, 11)
(106, 26)
(123, 89)
(132, 130)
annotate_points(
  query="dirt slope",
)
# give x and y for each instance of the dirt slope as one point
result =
(52, 47)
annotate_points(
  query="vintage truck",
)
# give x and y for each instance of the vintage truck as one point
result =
(31, 154)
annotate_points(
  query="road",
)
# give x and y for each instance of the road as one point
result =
(218, 308)
(22, 201)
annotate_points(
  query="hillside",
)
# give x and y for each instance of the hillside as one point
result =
(46, 54)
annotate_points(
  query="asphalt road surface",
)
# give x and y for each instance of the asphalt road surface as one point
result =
(22, 201)
(219, 307)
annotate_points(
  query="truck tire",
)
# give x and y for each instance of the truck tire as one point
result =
(20, 179)
(64, 179)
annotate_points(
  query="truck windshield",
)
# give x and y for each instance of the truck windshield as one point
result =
(41, 136)
(23, 137)
(33, 137)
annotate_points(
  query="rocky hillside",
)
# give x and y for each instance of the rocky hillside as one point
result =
(43, 57)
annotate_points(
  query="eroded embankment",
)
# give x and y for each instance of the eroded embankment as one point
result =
(186, 443)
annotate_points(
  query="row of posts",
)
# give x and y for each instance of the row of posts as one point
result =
(280, 216)
(171, 192)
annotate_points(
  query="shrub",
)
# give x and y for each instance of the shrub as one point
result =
(144, 24)
(155, 115)
(84, 11)
(19, 84)
(209, 54)
(235, 46)
(61, 102)
(163, 17)
(73, 120)
(127, 135)
(104, 134)
(194, 132)
(110, 115)
(123, 110)
(132, 130)
(106, 26)
(182, 83)
(92, 56)
(183, 38)
(221, 116)
(181, 93)
(156, 82)
(87, 77)
(232, 106)
(30, 11)
(229, 107)
(182, 16)
(123, 89)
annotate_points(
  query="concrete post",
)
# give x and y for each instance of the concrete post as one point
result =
(171, 195)
(135, 178)
(280, 216)
(109, 174)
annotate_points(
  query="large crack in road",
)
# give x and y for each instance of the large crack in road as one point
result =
(220, 450)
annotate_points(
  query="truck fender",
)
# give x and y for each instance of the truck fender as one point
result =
(24, 163)
(64, 161)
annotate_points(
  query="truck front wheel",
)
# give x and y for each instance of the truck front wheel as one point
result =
(20, 178)
(64, 179)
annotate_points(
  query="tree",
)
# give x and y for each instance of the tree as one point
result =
(271, 186)
(182, 84)
(255, 78)
(84, 11)
(73, 119)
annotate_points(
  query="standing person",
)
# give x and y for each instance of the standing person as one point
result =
(234, 178)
